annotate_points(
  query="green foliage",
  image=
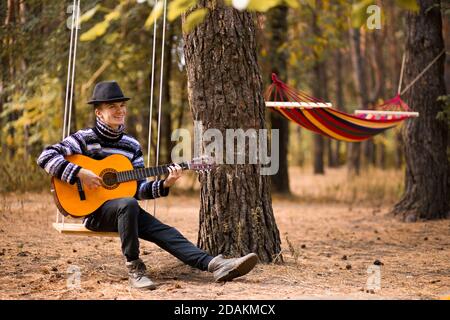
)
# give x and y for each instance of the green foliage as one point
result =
(194, 18)
(34, 55)
(22, 176)
(154, 15)
(359, 12)
(39, 119)
(100, 28)
(262, 6)
(178, 7)
(89, 14)
(306, 46)
(408, 4)
(444, 115)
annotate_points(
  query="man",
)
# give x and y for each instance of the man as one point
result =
(124, 215)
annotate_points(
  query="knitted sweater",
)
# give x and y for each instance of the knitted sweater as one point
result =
(98, 142)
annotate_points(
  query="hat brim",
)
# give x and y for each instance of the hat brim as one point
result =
(109, 100)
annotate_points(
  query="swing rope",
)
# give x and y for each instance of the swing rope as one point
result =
(160, 95)
(70, 78)
(77, 8)
(152, 85)
(68, 102)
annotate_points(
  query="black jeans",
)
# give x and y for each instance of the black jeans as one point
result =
(125, 216)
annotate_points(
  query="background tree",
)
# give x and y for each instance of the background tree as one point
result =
(277, 27)
(427, 194)
(225, 91)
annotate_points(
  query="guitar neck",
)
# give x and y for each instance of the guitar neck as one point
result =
(142, 173)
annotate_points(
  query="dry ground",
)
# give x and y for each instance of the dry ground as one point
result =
(327, 247)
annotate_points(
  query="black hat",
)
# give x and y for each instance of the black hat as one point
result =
(107, 91)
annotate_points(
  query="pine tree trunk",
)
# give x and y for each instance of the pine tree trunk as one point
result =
(319, 88)
(166, 129)
(319, 141)
(339, 81)
(225, 91)
(378, 47)
(277, 26)
(3, 72)
(427, 194)
(354, 149)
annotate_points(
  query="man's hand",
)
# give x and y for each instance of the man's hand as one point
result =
(89, 179)
(175, 173)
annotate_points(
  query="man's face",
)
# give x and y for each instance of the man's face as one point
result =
(113, 114)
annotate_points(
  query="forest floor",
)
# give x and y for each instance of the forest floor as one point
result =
(329, 249)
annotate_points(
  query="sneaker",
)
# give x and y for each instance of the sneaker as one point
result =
(137, 275)
(228, 269)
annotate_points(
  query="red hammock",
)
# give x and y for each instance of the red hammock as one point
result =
(319, 117)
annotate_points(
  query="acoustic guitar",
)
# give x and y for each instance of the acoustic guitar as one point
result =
(119, 180)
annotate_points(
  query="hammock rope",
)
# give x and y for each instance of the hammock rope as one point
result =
(423, 72)
(329, 121)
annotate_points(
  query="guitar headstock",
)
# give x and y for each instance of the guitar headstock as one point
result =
(203, 163)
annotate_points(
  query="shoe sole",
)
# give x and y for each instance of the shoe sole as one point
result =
(150, 287)
(242, 269)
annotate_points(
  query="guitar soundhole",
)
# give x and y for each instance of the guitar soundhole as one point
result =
(109, 177)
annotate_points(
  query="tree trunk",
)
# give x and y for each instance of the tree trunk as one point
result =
(10, 43)
(3, 72)
(378, 47)
(319, 88)
(369, 69)
(225, 91)
(339, 81)
(395, 51)
(277, 25)
(427, 194)
(166, 123)
(354, 157)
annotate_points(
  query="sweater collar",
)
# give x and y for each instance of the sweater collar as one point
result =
(106, 132)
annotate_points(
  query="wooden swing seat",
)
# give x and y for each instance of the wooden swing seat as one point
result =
(78, 229)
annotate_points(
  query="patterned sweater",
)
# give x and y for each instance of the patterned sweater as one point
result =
(98, 142)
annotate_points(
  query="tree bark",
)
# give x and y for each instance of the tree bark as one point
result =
(10, 22)
(339, 82)
(354, 149)
(3, 71)
(277, 25)
(378, 46)
(225, 91)
(427, 194)
(319, 88)
(166, 123)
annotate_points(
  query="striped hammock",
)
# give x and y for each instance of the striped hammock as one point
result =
(319, 117)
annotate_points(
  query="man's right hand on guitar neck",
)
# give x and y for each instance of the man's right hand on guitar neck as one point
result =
(89, 179)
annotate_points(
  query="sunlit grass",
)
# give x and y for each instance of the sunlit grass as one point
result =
(22, 176)
(373, 186)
